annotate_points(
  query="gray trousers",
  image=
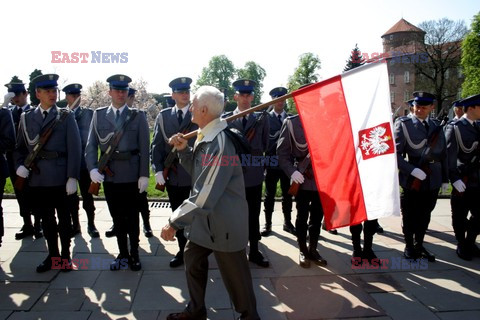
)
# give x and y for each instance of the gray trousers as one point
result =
(235, 273)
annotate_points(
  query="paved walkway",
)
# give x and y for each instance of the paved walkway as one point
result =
(446, 289)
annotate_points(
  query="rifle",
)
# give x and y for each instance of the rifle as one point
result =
(302, 167)
(29, 162)
(423, 163)
(259, 107)
(107, 155)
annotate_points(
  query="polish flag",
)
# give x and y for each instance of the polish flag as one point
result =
(348, 126)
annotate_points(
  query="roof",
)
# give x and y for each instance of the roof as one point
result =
(402, 26)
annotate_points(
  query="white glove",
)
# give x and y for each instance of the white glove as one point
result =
(23, 172)
(142, 184)
(459, 185)
(419, 174)
(444, 188)
(96, 176)
(159, 178)
(7, 98)
(71, 186)
(297, 177)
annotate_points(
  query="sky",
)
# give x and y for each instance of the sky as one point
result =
(164, 40)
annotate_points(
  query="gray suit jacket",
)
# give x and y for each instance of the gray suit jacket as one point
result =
(135, 140)
(215, 215)
(463, 144)
(166, 125)
(253, 171)
(65, 140)
(411, 140)
(292, 149)
(7, 140)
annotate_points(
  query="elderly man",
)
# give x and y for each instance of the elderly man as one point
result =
(215, 216)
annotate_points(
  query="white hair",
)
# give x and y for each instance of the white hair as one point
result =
(210, 97)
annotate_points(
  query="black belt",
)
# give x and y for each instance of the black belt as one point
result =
(48, 155)
(126, 155)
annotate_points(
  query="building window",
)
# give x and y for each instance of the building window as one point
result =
(406, 77)
(392, 97)
(391, 37)
(406, 95)
(392, 78)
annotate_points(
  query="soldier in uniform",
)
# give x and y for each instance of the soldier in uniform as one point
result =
(20, 106)
(83, 116)
(275, 173)
(292, 148)
(129, 166)
(421, 175)
(178, 182)
(7, 143)
(142, 197)
(255, 128)
(463, 145)
(57, 166)
(457, 110)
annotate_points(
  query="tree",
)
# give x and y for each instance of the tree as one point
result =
(305, 73)
(254, 72)
(442, 46)
(31, 88)
(356, 59)
(219, 73)
(471, 59)
(16, 79)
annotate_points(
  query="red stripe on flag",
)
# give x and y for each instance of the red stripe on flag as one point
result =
(324, 115)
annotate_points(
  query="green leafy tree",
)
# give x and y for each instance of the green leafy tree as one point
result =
(471, 59)
(31, 88)
(219, 73)
(442, 46)
(16, 79)
(306, 72)
(255, 72)
(356, 59)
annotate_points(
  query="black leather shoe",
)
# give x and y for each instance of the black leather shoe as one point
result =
(92, 231)
(177, 261)
(410, 253)
(120, 263)
(424, 253)
(37, 231)
(135, 264)
(379, 229)
(258, 259)
(26, 231)
(110, 233)
(147, 231)
(303, 260)
(288, 227)
(463, 252)
(66, 266)
(316, 258)
(45, 266)
(266, 231)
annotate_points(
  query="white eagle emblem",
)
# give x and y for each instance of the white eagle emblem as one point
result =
(375, 142)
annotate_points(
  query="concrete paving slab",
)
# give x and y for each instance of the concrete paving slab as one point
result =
(20, 295)
(403, 305)
(125, 315)
(60, 300)
(455, 315)
(22, 267)
(50, 315)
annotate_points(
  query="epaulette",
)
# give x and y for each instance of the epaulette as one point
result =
(101, 108)
(227, 114)
(404, 118)
(166, 109)
(292, 117)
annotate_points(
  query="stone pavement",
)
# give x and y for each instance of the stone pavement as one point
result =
(446, 289)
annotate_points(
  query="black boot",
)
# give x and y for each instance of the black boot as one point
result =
(313, 254)
(303, 260)
(410, 252)
(26, 230)
(135, 264)
(111, 232)
(75, 224)
(91, 229)
(37, 229)
(420, 249)
(147, 229)
(368, 253)
(256, 256)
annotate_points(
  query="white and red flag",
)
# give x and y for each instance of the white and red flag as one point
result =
(348, 126)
